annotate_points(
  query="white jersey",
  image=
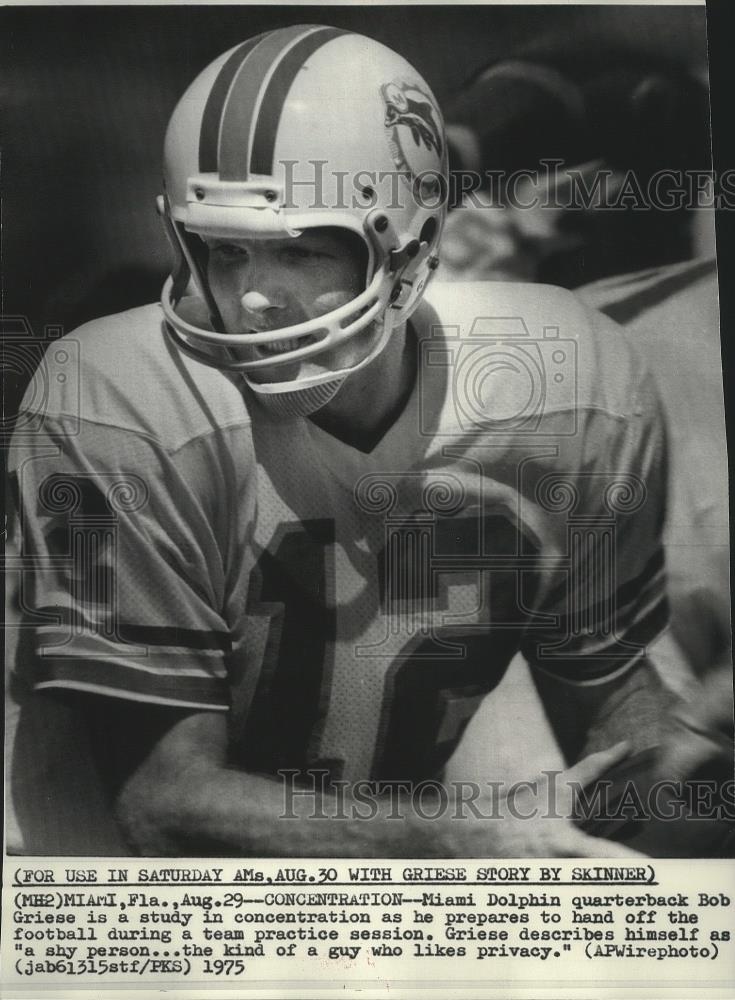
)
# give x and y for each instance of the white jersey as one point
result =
(349, 610)
(671, 313)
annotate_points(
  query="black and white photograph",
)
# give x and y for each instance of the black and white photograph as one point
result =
(364, 434)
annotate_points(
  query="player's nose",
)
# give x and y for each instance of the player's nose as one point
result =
(255, 302)
(259, 307)
(263, 290)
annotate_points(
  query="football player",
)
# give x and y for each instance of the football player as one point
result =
(310, 512)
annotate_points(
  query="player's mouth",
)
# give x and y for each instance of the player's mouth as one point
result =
(283, 346)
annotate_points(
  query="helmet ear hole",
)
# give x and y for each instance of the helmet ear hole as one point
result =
(428, 230)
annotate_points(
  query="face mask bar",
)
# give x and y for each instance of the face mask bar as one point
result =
(334, 328)
(305, 383)
(386, 293)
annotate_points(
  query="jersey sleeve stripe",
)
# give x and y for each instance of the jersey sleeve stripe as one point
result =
(146, 635)
(621, 627)
(614, 616)
(115, 676)
(578, 662)
(627, 597)
(587, 680)
(54, 644)
(626, 591)
(147, 698)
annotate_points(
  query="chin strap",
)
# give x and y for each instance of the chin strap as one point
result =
(299, 402)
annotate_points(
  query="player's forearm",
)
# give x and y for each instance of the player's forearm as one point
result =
(222, 811)
(589, 718)
(633, 709)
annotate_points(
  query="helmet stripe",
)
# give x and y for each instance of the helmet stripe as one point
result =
(241, 104)
(209, 131)
(276, 92)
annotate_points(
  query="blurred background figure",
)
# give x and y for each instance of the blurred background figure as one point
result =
(572, 144)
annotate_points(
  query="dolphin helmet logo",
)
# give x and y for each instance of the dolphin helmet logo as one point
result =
(407, 105)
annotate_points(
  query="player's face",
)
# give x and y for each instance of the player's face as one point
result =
(268, 284)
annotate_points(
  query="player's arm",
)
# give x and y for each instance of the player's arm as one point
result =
(176, 795)
(586, 719)
(123, 597)
(595, 667)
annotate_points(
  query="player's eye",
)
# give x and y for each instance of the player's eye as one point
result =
(304, 254)
(228, 251)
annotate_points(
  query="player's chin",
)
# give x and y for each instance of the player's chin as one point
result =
(267, 376)
(268, 369)
(336, 361)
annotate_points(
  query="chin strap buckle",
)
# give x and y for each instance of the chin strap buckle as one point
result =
(400, 293)
(403, 255)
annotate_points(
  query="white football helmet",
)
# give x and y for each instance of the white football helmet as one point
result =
(299, 128)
